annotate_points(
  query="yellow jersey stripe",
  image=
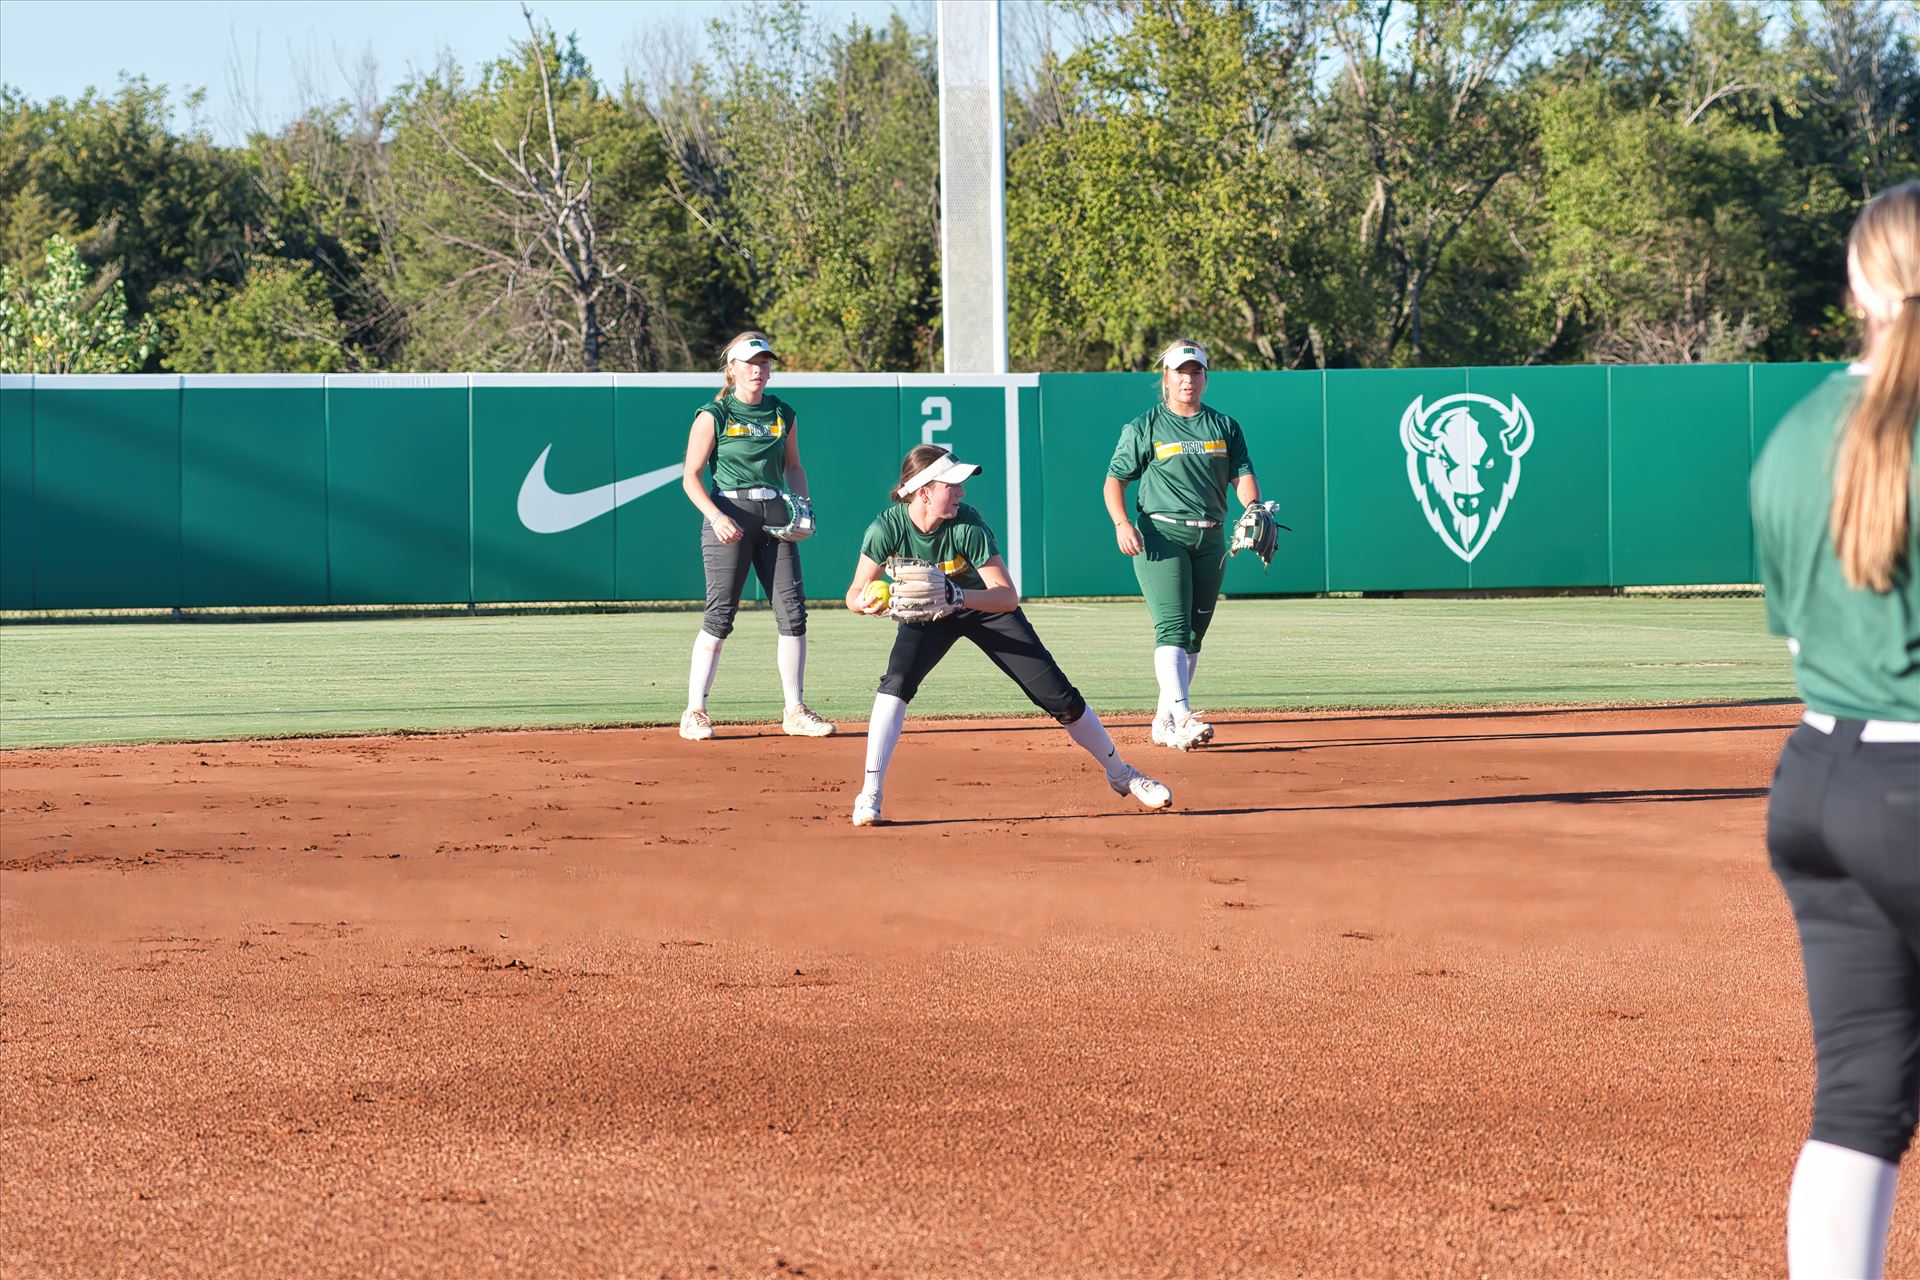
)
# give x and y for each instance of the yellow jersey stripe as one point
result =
(1173, 448)
(776, 430)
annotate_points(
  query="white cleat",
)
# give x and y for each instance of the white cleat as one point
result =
(1154, 795)
(801, 722)
(696, 725)
(1163, 731)
(1190, 733)
(866, 809)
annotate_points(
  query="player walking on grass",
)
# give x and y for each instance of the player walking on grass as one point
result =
(746, 444)
(1835, 494)
(1186, 457)
(949, 584)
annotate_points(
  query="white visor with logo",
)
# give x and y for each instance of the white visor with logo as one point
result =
(1177, 356)
(946, 468)
(748, 348)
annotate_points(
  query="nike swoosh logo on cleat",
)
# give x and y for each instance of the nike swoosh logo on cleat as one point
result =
(545, 510)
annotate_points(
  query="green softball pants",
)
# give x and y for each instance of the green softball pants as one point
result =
(1180, 571)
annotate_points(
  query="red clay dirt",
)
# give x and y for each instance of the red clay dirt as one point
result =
(1472, 994)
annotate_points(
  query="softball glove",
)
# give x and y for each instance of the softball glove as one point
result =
(799, 525)
(1258, 531)
(921, 592)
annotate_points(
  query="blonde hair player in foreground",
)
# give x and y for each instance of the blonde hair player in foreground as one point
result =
(1834, 499)
(951, 584)
(756, 513)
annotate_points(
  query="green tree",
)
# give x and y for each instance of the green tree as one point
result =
(833, 190)
(281, 320)
(68, 322)
(1173, 196)
(510, 252)
(168, 207)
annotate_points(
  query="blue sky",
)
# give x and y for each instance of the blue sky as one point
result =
(258, 60)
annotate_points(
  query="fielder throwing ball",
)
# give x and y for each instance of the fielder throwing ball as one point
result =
(1186, 456)
(1836, 514)
(756, 513)
(949, 583)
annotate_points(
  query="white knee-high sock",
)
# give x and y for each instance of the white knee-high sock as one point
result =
(883, 733)
(1170, 668)
(793, 669)
(706, 663)
(1096, 742)
(1837, 1214)
(1193, 660)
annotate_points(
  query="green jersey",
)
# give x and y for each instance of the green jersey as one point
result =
(749, 442)
(1857, 653)
(1185, 465)
(959, 546)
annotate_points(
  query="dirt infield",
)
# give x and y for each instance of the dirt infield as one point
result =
(1457, 995)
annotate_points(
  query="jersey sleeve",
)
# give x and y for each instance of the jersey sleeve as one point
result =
(1238, 463)
(978, 544)
(879, 541)
(1766, 542)
(1130, 455)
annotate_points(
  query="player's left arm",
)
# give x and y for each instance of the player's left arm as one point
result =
(1245, 484)
(796, 474)
(999, 595)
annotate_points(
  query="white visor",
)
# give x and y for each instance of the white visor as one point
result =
(946, 468)
(1177, 356)
(748, 348)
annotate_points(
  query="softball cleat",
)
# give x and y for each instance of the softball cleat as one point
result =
(696, 725)
(1154, 795)
(1190, 733)
(1163, 732)
(866, 809)
(801, 722)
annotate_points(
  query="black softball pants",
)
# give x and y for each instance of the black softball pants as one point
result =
(776, 563)
(1843, 832)
(1010, 643)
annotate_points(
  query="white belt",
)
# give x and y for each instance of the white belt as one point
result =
(1192, 524)
(751, 495)
(1871, 731)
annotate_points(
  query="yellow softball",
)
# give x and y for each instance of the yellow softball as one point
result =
(879, 589)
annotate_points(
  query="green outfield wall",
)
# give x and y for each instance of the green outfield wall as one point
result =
(238, 490)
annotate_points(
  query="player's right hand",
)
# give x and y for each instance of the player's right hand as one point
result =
(725, 529)
(1128, 538)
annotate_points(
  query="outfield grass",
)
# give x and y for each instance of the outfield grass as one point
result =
(131, 682)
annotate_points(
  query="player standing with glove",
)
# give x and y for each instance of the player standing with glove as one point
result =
(949, 584)
(756, 512)
(1186, 457)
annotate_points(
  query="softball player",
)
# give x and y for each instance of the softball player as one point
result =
(1836, 494)
(957, 588)
(1186, 457)
(749, 443)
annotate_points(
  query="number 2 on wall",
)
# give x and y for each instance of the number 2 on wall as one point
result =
(937, 412)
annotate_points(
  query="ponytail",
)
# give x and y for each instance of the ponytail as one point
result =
(1873, 465)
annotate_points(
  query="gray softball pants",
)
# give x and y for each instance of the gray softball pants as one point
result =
(776, 563)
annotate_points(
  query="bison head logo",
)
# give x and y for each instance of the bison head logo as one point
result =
(1463, 461)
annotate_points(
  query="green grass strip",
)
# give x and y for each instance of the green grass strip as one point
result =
(135, 682)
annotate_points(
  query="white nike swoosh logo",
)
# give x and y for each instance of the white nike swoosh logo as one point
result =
(545, 511)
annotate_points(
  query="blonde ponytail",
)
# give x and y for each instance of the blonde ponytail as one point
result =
(1872, 470)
